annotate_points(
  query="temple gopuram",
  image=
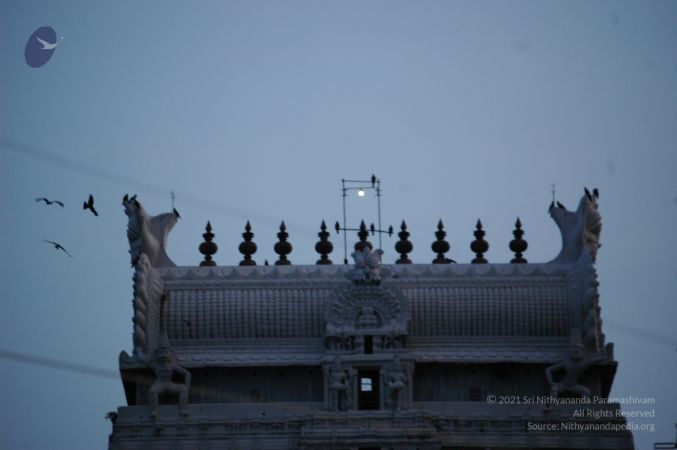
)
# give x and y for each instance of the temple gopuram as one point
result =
(365, 355)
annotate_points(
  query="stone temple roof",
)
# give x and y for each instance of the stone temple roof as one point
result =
(284, 314)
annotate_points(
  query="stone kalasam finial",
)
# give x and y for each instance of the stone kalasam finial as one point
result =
(323, 246)
(479, 245)
(282, 247)
(208, 248)
(440, 246)
(403, 246)
(148, 234)
(518, 245)
(367, 269)
(363, 234)
(580, 229)
(247, 247)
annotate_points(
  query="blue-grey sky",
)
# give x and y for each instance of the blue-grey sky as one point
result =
(256, 110)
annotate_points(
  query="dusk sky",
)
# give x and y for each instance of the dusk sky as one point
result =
(256, 110)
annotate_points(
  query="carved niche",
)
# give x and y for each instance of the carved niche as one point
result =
(367, 319)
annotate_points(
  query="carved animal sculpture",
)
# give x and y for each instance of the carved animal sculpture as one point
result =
(580, 229)
(148, 234)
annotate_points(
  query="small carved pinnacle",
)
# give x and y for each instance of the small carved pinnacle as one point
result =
(208, 248)
(441, 246)
(403, 246)
(247, 247)
(282, 247)
(479, 245)
(363, 234)
(323, 246)
(518, 245)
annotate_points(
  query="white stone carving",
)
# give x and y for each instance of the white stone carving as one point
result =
(580, 229)
(366, 310)
(339, 382)
(163, 365)
(396, 382)
(571, 369)
(147, 292)
(367, 268)
(148, 234)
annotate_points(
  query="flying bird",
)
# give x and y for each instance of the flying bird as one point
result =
(58, 247)
(47, 45)
(49, 202)
(89, 204)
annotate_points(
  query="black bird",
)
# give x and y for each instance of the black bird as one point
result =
(587, 193)
(89, 204)
(176, 213)
(58, 246)
(49, 202)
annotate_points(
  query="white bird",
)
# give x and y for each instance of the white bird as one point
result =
(46, 45)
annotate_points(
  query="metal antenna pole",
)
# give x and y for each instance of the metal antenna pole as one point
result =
(360, 186)
(345, 237)
(378, 201)
(553, 192)
(173, 197)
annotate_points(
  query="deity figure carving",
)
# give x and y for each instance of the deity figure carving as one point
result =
(148, 234)
(367, 267)
(396, 381)
(164, 366)
(339, 387)
(368, 318)
(571, 368)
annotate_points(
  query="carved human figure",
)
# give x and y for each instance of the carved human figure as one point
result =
(164, 367)
(368, 318)
(396, 382)
(339, 386)
(573, 367)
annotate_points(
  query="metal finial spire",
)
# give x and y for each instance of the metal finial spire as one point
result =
(173, 197)
(553, 192)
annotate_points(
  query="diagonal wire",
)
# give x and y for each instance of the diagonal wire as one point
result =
(143, 186)
(59, 364)
(641, 333)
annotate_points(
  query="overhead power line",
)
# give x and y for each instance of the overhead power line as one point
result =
(647, 335)
(59, 364)
(143, 186)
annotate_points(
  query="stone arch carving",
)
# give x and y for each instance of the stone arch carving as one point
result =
(367, 310)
